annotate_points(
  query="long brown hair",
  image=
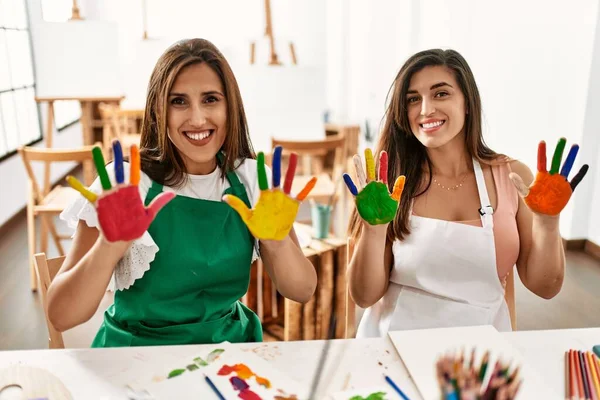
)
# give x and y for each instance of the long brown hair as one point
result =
(406, 155)
(160, 159)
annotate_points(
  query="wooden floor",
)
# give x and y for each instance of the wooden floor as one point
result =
(22, 323)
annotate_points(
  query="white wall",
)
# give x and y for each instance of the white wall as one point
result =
(273, 96)
(13, 178)
(533, 69)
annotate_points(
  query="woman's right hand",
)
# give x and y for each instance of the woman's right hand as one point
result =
(122, 215)
(373, 200)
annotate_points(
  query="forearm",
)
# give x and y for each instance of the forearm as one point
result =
(368, 272)
(292, 273)
(546, 260)
(74, 295)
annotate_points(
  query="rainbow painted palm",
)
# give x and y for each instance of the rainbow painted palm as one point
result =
(273, 216)
(122, 215)
(550, 191)
(373, 200)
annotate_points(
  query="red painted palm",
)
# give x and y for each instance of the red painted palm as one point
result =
(121, 213)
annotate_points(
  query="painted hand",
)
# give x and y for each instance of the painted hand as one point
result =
(550, 191)
(273, 216)
(121, 214)
(373, 201)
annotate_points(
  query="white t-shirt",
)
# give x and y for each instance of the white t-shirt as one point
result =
(142, 251)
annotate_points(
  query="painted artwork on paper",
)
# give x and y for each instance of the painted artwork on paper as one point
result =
(193, 363)
(372, 393)
(247, 376)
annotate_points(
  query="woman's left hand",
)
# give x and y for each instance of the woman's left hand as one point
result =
(550, 191)
(273, 216)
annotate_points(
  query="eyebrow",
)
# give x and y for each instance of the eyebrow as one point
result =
(203, 93)
(437, 85)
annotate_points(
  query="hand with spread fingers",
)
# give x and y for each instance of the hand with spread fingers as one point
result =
(550, 191)
(273, 216)
(121, 213)
(373, 200)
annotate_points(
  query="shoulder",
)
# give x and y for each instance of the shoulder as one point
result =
(248, 168)
(522, 170)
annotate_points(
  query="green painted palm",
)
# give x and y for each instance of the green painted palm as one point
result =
(373, 200)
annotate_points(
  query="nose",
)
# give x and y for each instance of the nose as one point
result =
(427, 108)
(198, 115)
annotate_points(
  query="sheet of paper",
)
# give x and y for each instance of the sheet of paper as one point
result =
(420, 349)
(240, 374)
(184, 387)
(193, 363)
(373, 393)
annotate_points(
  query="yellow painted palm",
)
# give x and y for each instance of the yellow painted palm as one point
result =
(275, 212)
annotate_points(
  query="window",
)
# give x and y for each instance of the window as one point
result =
(19, 113)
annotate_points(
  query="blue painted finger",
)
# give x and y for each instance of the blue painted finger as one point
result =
(350, 184)
(566, 169)
(277, 166)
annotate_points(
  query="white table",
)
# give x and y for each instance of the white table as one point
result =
(352, 363)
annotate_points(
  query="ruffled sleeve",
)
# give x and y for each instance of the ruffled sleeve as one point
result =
(136, 261)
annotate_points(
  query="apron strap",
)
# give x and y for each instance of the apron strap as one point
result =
(486, 211)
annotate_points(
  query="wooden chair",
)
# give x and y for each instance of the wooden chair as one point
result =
(509, 295)
(46, 201)
(121, 124)
(46, 271)
(311, 162)
(80, 336)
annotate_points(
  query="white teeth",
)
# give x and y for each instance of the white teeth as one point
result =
(198, 136)
(432, 124)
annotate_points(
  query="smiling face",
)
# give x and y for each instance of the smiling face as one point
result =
(197, 117)
(436, 106)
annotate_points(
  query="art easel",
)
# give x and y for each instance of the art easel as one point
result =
(273, 58)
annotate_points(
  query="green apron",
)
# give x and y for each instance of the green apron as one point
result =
(190, 294)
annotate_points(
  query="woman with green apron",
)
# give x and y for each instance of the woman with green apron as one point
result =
(179, 255)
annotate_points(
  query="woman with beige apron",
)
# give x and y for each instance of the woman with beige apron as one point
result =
(418, 261)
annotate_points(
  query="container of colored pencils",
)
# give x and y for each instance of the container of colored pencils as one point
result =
(582, 375)
(461, 379)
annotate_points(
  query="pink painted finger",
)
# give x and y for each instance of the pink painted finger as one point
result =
(158, 203)
(383, 167)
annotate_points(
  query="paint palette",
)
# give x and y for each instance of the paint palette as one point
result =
(243, 375)
(373, 393)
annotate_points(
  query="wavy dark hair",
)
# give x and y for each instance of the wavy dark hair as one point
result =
(160, 159)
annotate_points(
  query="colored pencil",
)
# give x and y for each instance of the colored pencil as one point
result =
(586, 384)
(214, 388)
(595, 380)
(578, 376)
(396, 388)
(567, 379)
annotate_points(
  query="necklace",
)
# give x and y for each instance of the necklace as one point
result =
(455, 187)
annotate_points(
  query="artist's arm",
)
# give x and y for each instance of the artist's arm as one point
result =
(78, 288)
(370, 266)
(291, 272)
(541, 262)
